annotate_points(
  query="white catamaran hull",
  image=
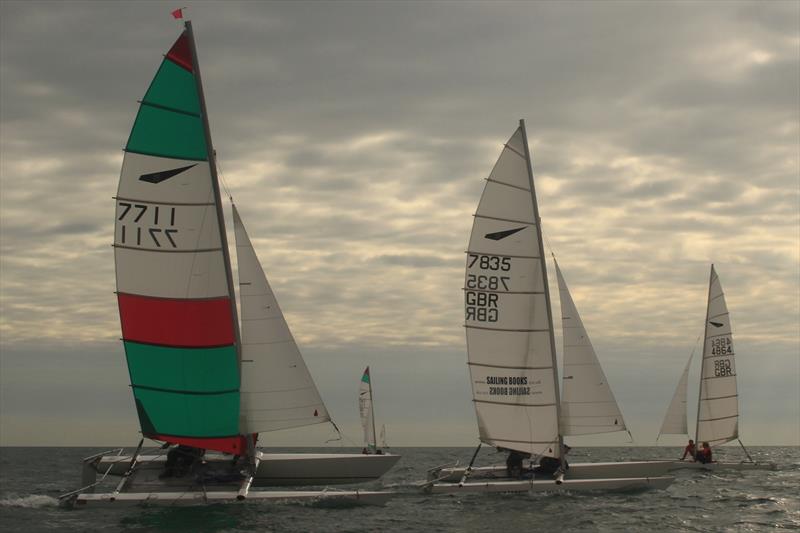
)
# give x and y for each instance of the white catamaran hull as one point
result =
(274, 469)
(203, 498)
(568, 485)
(717, 466)
(624, 469)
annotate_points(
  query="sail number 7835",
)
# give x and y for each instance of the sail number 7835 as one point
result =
(490, 262)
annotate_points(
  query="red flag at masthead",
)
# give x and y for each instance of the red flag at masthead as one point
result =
(178, 13)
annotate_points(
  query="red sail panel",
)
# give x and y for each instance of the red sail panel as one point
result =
(171, 322)
(181, 53)
(235, 445)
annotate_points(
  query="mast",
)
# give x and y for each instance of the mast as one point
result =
(212, 165)
(703, 357)
(538, 220)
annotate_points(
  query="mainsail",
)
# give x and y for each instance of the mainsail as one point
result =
(277, 390)
(366, 410)
(174, 286)
(675, 420)
(509, 326)
(587, 403)
(718, 405)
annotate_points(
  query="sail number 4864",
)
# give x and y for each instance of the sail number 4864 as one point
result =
(490, 262)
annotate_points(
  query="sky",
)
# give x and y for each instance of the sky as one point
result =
(355, 138)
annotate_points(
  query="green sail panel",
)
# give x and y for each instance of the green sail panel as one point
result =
(187, 415)
(165, 133)
(174, 87)
(191, 370)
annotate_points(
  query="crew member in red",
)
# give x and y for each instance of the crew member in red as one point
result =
(690, 450)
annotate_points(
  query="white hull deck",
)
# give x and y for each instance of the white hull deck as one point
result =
(540, 485)
(623, 469)
(720, 466)
(211, 497)
(274, 469)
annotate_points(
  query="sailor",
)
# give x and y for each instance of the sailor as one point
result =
(180, 460)
(690, 450)
(551, 465)
(514, 463)
(704, 455)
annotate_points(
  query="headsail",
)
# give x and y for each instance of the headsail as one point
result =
(587, 405)
(366, 411)
(277, 389)
(718, 406)
(675, 420)
(508, 321)
(174, 290)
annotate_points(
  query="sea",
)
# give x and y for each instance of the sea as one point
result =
(31, 479)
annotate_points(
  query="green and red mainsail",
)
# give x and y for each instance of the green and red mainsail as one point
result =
(176, 303)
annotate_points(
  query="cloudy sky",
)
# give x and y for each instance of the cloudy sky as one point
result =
(355, 138)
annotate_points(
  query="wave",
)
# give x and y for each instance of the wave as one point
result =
(34, 501)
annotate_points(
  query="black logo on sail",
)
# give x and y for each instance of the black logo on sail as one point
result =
(158, 177)
(498, 235)
(716, 324)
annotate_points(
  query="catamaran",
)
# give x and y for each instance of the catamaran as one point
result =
(718, 401)
(511, 345)
(200, 381)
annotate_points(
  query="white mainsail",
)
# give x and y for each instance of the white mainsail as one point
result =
(675, 420)
(384, 444)
(508, 321)
(718, 405)
(366, 411)
(587, 404)
(277, 390)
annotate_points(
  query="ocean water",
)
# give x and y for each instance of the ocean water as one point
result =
(32, 478)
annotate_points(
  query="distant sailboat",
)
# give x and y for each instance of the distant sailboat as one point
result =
(198, 381)
(718, 402)
(366, 410)
(384, 444)
(510, 341)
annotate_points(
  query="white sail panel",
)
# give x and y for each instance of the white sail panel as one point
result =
(506, 203)
(487, 238)
(718, 409)
(164, 227)
(171, 274)
(277, 391)
(588, 405)
(167, 180)
(512, 170)
(675, 420)
(508, 348)
(511, 357)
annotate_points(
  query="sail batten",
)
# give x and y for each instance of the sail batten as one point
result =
(277, 389)
(508, 324)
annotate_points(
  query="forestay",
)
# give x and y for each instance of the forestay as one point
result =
(277, 389)
(507, 313)
(675, 420)
(587, 403)
(175, 297)
(718, 407)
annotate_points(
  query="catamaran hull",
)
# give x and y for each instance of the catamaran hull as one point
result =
(274, 469)
(717, 466)
(205, 498)
(568, 485)
(623, 469)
